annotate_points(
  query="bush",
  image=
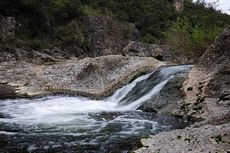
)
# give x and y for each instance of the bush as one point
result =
(70, 34)
(189, 39)
(178, 36)
(203, 37)
(148, 38)
(89, 11)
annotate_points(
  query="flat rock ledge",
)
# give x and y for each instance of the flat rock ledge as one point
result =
(205, 139)
(91, 77)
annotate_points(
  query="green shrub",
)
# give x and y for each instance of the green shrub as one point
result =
(70, 34)
(203, 37)
(60, 4)
(89, 11)
(148, 38)
(189, 39)
(178, 36)
(122, 16)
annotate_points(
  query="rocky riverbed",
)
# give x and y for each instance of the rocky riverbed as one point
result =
(204, 94)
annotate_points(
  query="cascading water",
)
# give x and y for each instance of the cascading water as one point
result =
(78, 124)
(145, 87)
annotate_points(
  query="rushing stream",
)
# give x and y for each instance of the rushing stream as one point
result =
(78, 124)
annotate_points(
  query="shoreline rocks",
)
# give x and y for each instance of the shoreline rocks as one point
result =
(209, 138)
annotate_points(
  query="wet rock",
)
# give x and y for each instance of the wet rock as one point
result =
(167, 100)
(160, 91)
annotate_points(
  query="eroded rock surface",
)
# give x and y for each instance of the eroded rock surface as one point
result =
(206, 139)
(92, 77)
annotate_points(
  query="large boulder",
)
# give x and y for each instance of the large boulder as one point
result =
(143, 50)
(92, 77)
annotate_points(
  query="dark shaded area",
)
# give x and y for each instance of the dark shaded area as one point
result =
(7, 91)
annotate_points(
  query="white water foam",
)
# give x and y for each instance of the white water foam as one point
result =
(134, 105)
(52, 110)
(121, 93)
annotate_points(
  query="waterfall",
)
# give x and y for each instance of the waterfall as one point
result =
(145, 87)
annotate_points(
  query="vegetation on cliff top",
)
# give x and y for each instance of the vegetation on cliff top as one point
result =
(44, 22)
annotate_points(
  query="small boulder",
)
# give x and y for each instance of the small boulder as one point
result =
(143, 50)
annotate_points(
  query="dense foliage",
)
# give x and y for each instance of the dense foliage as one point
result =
(196, 28)
(50, 21)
